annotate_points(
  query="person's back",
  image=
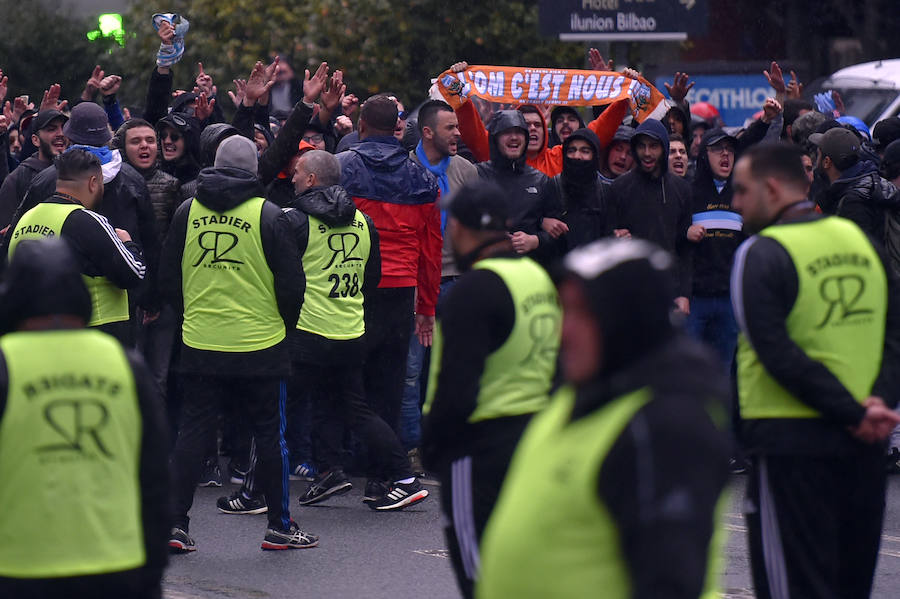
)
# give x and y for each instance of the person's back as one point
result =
(88, 417)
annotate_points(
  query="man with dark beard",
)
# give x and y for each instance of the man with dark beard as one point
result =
(51, 142)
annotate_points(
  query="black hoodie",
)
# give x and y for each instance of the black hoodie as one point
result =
(584, 198)
(335, 208)
(554, 139)
(221, 189)
(531, 195)
(657, 209)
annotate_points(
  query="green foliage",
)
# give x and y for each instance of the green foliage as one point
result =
(40, 45)
(379, 44)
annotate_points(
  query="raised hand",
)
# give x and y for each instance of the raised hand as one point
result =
(204, 107)
(166, 32)
(680, 87)
(597, 62)
(334, 92)
(313, 86)
(771, 109)
(51, 99)
(92, 85)
(205, 82)
(631, 73)
(343, 125)
(349, 104)
(257, 84)
(110, 85)
(794, 88)
(459, 67)
(20, 105)
(776, 78)
(237, 96)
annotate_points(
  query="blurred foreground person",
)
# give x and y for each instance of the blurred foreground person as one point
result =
(819, 321)
(631, 455)
(493, 362)
(82, 443)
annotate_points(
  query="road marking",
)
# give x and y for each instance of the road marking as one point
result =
(444, 553)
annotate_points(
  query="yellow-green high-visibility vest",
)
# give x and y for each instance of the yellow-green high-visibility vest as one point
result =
(228, 287)
(838, 318)
(517, 377)
(70, 441)
(109, 303)
(335, 267)
(580, 550)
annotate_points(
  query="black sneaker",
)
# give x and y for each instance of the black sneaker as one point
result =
(236, 476)
(291, 539)
(180, 541)
(211, 476)
(399, 496)
(374, 490)
(329, 483)
(238, 504)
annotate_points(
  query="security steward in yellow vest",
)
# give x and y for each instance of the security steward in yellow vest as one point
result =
(613, 488)
(819, 339)
(110, 262)
(341, 263)
(493, 362)
(83, 443)
(230, 266)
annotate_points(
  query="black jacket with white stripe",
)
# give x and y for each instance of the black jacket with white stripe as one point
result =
(764, 289)
(97, 248)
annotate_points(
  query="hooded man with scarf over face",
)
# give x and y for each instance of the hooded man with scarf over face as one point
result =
(584, 197)
(653, 204)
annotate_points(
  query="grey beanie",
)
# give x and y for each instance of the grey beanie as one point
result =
(238, 152)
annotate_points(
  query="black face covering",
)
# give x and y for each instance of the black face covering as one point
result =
(579, 176)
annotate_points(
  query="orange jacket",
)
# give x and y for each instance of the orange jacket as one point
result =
(549, 160)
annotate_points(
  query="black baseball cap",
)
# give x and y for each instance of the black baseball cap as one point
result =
(45, 117)
(837, 143)
(714, 136)
(886, 131)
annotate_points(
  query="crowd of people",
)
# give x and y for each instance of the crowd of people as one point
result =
(320, 287)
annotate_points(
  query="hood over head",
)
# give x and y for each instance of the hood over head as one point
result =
(554, 139)
(653, 129)
(42, 279)
(330, 204)
(580, 174)
(703, 175)
(222, 188)
(210, 139)
(189, 127)
(500, 122)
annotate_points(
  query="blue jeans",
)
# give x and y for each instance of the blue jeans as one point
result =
(411, 405)
(712, 321)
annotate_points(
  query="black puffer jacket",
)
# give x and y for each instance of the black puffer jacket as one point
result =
(529, 189)
(16, 184)
(862, 196)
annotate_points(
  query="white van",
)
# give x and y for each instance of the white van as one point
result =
(870, 91)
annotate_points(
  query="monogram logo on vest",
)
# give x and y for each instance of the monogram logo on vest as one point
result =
(343, 245)
(543, 330)
(842, 294)
(78, 424)
(219, 244)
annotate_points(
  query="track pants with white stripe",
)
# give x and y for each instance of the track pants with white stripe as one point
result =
(814, 524)
(260, 402)
(469, 490)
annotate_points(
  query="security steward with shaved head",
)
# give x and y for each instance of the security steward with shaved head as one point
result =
(83, 443)
(110, 261)
(493, 363)
(819, 346)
